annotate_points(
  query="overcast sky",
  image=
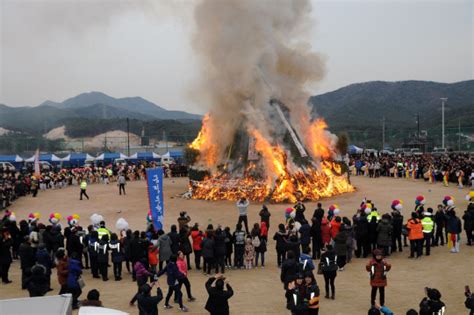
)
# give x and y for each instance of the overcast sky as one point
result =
(55, 49)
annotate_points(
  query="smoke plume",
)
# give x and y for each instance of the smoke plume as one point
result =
(250, 52)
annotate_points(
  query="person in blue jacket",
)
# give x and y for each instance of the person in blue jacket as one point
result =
(379, 310)
(173, 275)
(75, 271)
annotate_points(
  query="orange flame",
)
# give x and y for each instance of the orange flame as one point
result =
(318, 141)
(203, 143)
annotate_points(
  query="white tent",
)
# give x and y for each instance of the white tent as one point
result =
(91, 310)
(111, 156)
(77, 156)
(45, 157)
(45, 305)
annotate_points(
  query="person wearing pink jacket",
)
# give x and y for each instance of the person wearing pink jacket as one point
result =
(183, 268)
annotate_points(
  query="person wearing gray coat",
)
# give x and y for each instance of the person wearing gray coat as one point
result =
(164, 245)
(384, 234)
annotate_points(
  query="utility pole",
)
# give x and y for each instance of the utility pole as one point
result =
(443, 100)
(418, 125)
(383, 133)
(128, 137)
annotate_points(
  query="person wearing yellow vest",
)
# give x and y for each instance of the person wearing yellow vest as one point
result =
(83, 187)
(428, 226)
(372, 214)
(102, 230)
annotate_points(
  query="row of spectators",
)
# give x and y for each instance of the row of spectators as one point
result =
(457, 167)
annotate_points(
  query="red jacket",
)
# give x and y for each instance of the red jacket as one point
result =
(325, 232)
(378, 272)
(153, 255)
(335, 227)
(182, 266)
(197, 239)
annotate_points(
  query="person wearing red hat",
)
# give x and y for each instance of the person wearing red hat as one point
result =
(378, 267)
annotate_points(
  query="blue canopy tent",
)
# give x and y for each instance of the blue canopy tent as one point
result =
(110, 157)
(51, 158)
(355, 150)
(145, 156)
(15, 160)
(76, 159)
(178, 156)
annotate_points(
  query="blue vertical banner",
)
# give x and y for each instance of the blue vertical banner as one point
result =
(155, 195)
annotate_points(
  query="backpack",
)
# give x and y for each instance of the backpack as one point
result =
(256, 241)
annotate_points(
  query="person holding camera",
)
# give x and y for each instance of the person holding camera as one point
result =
(431, 303)
(147, 304)
(378, 267)
(242, 206)
(218, 300)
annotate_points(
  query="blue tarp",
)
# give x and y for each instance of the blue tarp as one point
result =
(355, 150)
(175, 154)
(111, 156)
(10, 158)
(147, 156)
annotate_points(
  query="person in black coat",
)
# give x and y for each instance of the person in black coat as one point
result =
(185, 245)
(361, 226)
(219, 250)
(208, 252)
(440, 226)
(397, 224)
(16, 236)
(280, 237)
(329, 268)
(103, 257)
(468, 219)
(319, 212)
(316, 237)
(265, 216)
(373, 224)
(305, 235)
(27, 260)
(229, 242)
(289, 269)
(147, 304)
(43, 258)
(293, 244)
(38, 283)
(218, 300)
(174, 236)
(74, 244)
(300, 209)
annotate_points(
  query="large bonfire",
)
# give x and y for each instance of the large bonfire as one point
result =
(251, 144)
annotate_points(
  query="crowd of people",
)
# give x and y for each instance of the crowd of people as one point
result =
(451, 168)
(322, 245)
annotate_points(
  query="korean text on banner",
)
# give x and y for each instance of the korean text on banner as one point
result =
(155, 195)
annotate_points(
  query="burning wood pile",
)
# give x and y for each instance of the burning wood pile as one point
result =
(266, 169)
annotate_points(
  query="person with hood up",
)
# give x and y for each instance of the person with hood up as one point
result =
(378, 267)
(38, 283)
(147, 304)
(329, 268)
(173, 276)
(74, 273)
(384, 234)
(280, 238)
(43, 258)
(415, 235)
(164, 245)
(218, 300)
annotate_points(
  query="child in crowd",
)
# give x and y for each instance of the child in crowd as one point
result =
(249, 255)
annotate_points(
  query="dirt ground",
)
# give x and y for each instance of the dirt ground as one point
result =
(259, 291)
